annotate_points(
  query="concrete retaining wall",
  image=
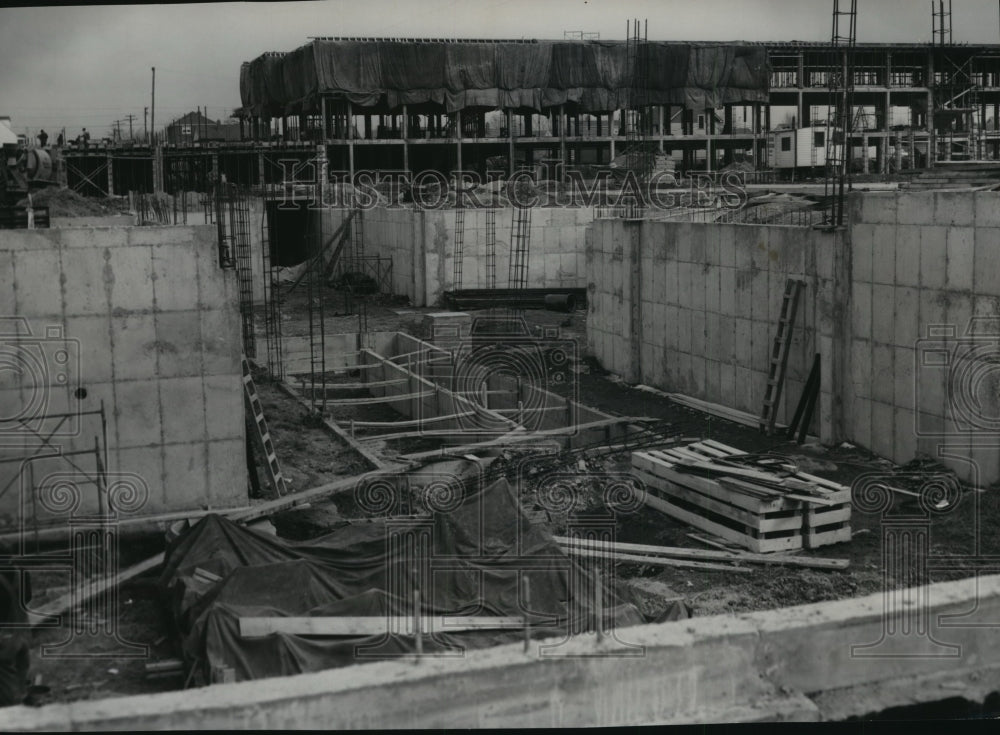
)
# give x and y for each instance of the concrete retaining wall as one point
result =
(151, 328)
(760, 666)
(692, 308)
(924, 261)
(422, 246)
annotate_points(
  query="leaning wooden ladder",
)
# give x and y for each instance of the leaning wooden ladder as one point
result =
(256, 413)
(779, 354)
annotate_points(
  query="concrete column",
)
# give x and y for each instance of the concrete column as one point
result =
(111, 175)
(326, 127)
(864, 157)
(260, 170)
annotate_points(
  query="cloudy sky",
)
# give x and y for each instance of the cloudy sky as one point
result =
(90, 65)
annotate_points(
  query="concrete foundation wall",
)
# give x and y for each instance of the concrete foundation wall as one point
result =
(151, 328)
(692, 308)
(422, 246)
(926, 263)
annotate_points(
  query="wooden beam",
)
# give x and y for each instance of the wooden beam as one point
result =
(91, 588)
(355, 626)
(520, 435)
(682, 553)
(656, 561)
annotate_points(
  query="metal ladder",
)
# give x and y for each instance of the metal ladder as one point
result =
(779, 354)
(520, 241)
(262, 435)
(491, 245)
(459, 256)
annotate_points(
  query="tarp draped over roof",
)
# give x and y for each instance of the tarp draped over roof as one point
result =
(595, 75)
(482, 540)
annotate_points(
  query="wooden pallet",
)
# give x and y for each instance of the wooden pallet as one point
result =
(753, 508)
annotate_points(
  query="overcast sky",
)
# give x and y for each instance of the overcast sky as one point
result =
(90, 65)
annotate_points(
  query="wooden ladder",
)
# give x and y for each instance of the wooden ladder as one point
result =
(779, 354)
(262, 436)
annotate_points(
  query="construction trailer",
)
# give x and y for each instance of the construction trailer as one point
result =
(801, 147)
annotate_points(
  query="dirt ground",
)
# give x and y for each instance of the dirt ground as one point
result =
(310, 455)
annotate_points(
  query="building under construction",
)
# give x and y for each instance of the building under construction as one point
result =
(414, 104)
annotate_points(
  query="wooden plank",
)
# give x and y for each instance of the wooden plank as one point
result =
(90, 589)
(518, 435)
(703, 553)
(722, 447)
(737, 483)
(825, 517)
(656, 561)
(371, 400)
(706, 450)
(814, 539)
(251, 627)
(664, 471)
(717, 543)
(693, 519)
(715, 409)
(821, 481)
(755, 521)
(310, 495)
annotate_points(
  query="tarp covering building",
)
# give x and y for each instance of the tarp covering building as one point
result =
(479, 548)
(594, 76)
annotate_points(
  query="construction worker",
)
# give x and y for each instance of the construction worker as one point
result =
(43, 138)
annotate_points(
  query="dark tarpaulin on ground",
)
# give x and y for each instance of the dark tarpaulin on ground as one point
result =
(478, 533)
(595, 75)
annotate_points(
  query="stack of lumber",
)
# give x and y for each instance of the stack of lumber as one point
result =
(761, 503)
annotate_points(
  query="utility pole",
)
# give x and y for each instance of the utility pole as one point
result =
(130, 117)
(152, 111)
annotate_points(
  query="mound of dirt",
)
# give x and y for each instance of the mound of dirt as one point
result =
(67, 203)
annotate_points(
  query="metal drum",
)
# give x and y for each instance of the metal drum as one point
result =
(38, 165)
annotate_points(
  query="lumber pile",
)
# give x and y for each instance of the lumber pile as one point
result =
(758, 502)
